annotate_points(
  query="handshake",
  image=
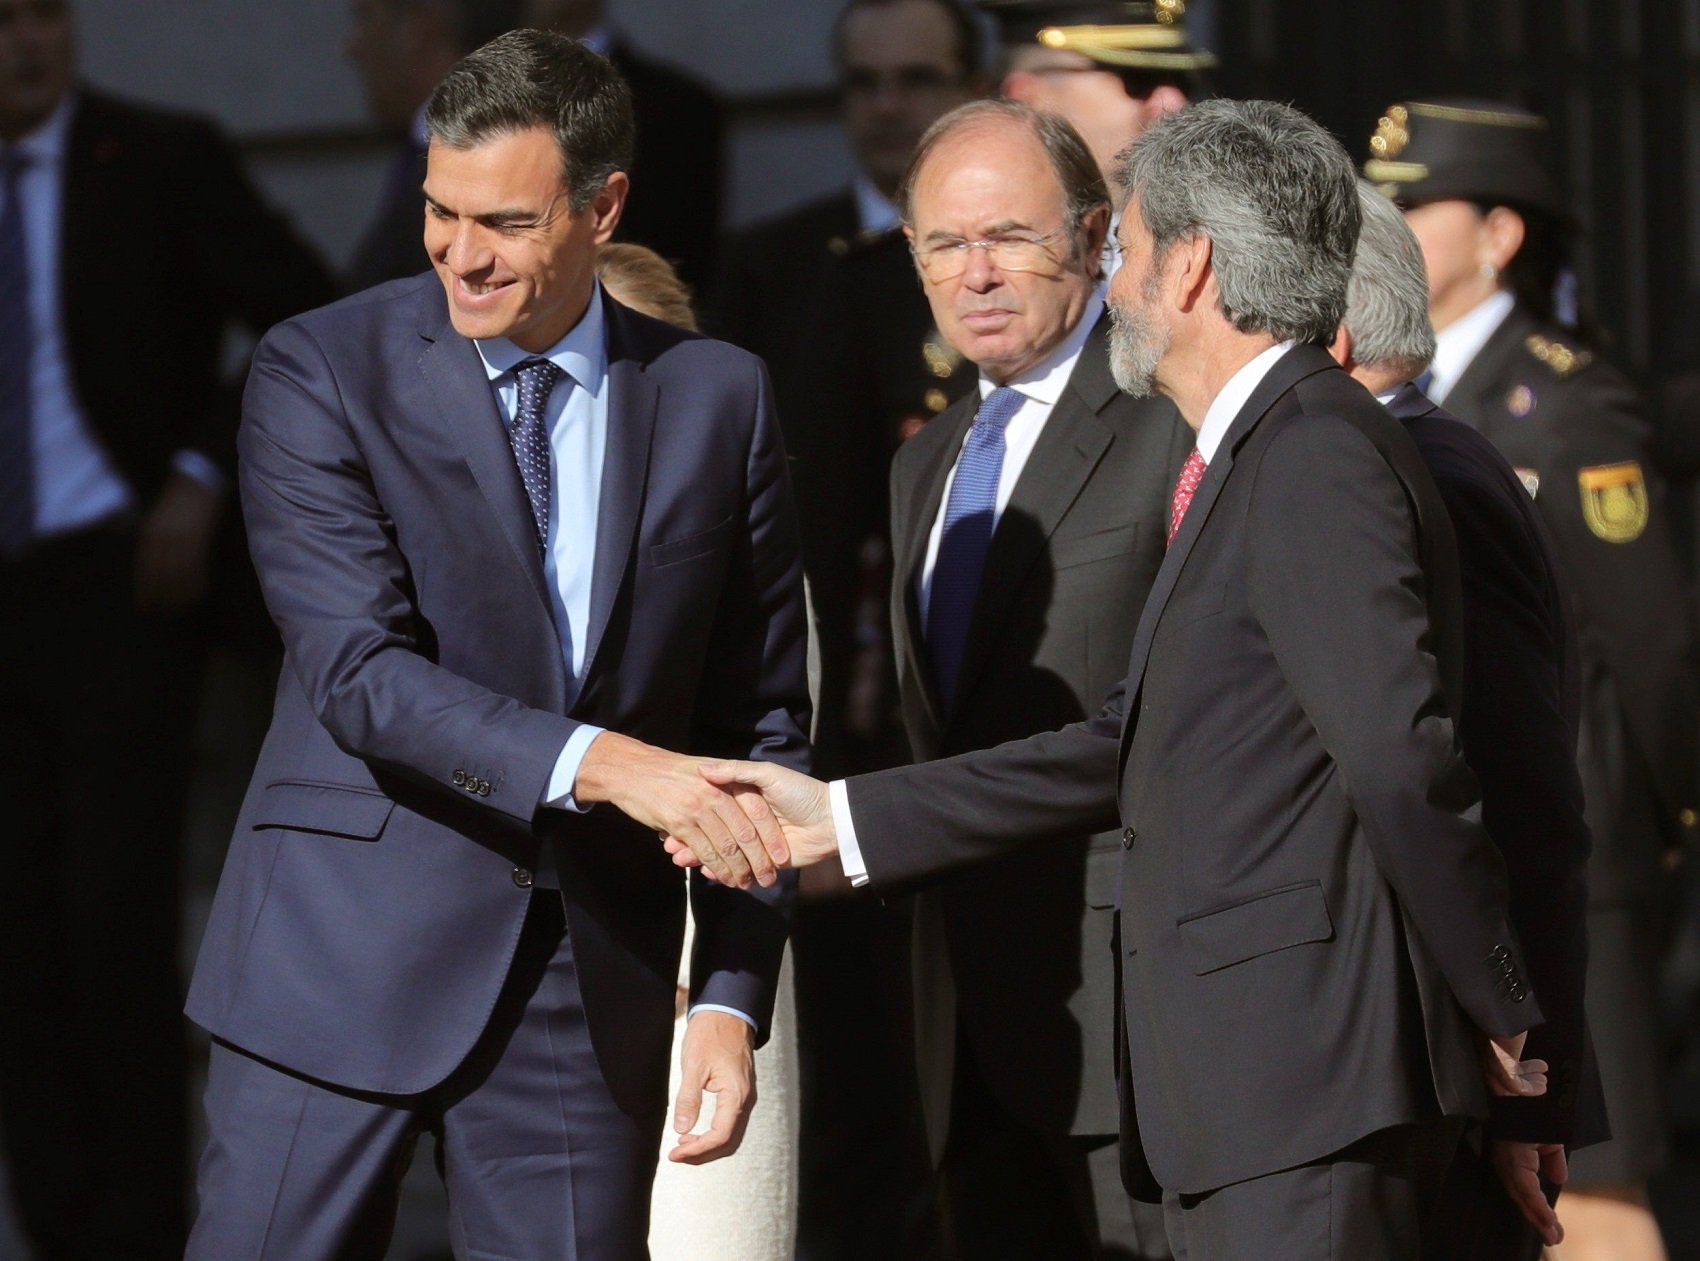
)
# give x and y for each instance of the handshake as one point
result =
(739, 821)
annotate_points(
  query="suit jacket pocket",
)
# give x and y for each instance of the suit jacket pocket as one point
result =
(1103, 877)
(1083, 550)
(691, 546)
(333, 809)
(1192, 606)
(1292, 915)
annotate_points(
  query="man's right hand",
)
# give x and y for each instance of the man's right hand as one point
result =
(1520, 1167)
(668, 792)
(798, 807)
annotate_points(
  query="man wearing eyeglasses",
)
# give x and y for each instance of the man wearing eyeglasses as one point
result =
(1027, 526)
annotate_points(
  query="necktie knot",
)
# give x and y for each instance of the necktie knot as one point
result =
(1186, 486)
(536, 377)
(997, 409)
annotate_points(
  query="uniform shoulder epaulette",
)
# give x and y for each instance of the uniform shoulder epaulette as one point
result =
(1564, 361)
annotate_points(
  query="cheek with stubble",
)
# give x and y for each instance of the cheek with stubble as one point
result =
(1137, 346)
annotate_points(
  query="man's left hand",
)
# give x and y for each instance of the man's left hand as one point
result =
(1520, 1167)
(1506, 1072)
(174, 546)
(718, 1058)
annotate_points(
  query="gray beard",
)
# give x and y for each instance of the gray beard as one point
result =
(1137, 346)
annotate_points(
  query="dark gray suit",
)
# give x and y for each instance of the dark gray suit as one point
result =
(1074, 554)
(1313, 923)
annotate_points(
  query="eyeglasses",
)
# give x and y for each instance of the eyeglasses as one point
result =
(946, 260)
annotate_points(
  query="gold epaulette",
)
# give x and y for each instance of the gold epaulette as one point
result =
(1565, 361)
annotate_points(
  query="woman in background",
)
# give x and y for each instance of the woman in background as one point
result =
(743, 1207)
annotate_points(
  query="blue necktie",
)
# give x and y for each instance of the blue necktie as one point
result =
(530, 436)
(966, 538)
(17, 459)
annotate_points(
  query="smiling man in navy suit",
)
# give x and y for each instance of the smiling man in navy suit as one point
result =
(517, 539)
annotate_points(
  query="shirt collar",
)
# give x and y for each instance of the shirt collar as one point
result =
(1046, 380)
(1462, 340)
(582, 354)
(49, 142)
(1233, 396)
(875, 212)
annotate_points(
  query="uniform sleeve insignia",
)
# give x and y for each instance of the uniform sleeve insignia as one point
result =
(1614, 501)
(1520, 402)
(1565, 361)
(1531, 480)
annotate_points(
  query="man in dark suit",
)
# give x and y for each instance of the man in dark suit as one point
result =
(130, 243)
(1517, 722)
(514, 535)
(401, 50)
(1015, 1063)
(1317, 964)
(675, 205)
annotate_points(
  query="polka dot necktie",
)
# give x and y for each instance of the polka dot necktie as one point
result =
(17, 456)
(966, 538)
(530, 436)
(1186, 486)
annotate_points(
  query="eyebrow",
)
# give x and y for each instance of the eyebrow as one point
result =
(1008, 225)
(515, 214)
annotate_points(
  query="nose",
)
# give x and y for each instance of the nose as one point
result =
(981, 274)
(467, 251)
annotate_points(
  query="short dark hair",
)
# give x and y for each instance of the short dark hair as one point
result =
(1083, 186)
(963, 24)
(530, 78)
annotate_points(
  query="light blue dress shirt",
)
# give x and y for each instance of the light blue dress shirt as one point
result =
(76, 483)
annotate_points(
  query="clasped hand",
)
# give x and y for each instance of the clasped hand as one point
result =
(790, 824)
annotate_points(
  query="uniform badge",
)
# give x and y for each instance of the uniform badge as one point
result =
(1531, 480)
(1520, 402)
(1614, 501)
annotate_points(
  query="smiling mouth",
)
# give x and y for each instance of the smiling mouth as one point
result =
(479, 291)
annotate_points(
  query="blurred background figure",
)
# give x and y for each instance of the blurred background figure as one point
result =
(1111, 67)
(676, 186)
(130, 239)
(1516, 360)
(401, 49)
(827, 295)
(742, 1208)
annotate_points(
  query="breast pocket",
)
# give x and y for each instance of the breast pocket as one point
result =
(1084, 550)
(691, 546)
(328, 809)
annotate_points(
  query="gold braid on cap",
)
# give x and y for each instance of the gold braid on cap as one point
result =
(1147, 46)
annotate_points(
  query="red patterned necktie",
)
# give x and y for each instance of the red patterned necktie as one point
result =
(1186, 486)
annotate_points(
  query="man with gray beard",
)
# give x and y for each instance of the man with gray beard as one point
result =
(1321, 983)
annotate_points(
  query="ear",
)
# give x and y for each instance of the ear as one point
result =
(1093, 229)
(1023, 86)
(1166, 99)
(1194, 274)
(1341, 348)
(607, 205)
(1503, 231)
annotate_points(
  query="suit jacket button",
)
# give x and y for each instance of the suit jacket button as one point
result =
(1128, 837)
(459, 780)
(522, 878)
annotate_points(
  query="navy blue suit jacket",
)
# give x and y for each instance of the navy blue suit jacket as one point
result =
(369, 906)
(1517, 723)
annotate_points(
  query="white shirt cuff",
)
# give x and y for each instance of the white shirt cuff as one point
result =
(849, 851)
(559, 793)
(730, 1011)
(193, 464)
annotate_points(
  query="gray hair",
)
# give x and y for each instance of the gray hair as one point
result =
(1083, 186)
(1276, 195)
(527, 79)
(1387, 299)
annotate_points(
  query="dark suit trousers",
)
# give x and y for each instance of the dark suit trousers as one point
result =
(97, 705)
(1008, 1191)
(1376, 1200)
(1477, 1220)
(539, 1161)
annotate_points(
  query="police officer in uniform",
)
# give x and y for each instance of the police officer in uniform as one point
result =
(1473, 180)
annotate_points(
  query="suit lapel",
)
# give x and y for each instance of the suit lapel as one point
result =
(1471, 398)
(1294, 366)
(92, 150)
(633, 399)
(911, 556)
(455, 374)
